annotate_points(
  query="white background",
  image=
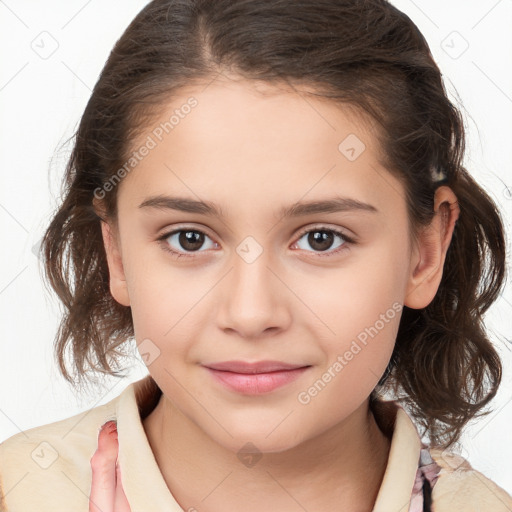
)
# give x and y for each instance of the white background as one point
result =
(41, 101)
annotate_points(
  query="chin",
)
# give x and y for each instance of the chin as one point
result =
(258, 442)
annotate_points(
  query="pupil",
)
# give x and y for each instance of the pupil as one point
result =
(321, 238)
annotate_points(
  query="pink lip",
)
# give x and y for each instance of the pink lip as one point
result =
(255, 378)
(257, 367)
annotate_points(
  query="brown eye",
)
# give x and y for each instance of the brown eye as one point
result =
(182, 241)
(321, 239)
(190, 240)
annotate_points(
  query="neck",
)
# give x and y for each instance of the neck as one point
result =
(341, 469)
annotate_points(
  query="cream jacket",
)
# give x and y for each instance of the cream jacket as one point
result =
(47, 468)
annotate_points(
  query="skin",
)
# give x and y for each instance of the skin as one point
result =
(107, 492)
(251, 148)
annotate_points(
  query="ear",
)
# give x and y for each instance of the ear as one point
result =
(429, 252)
(118, 287)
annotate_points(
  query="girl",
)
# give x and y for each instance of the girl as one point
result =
(269, 197)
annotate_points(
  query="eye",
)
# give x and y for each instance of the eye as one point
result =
(187, 240)
(321, 238)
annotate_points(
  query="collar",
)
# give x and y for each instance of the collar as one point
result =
(135, 453)
(404, 454)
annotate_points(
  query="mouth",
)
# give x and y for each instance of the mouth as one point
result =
(256, 367)
(255, 378)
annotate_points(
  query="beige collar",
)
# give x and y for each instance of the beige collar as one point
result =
(404, 455)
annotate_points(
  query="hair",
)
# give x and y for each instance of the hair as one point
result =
(364, 54)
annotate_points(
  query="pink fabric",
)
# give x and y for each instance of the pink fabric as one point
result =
(429, 470)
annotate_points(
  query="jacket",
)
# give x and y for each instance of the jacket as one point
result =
(47, 468)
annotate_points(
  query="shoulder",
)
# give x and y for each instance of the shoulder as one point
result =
(460, 487)
(36, 462)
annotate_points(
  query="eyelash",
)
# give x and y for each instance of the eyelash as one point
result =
(347, 240)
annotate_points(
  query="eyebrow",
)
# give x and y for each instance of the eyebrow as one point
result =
(331, 205)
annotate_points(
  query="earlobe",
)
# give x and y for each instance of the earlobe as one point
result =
(429, 254)
(118, 286)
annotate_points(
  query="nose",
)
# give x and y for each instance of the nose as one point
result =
(254, 299)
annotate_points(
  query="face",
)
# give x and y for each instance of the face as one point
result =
(319, 290)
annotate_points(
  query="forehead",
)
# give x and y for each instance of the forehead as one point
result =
(253, 142)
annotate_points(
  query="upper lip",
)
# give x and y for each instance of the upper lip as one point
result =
(256, 367)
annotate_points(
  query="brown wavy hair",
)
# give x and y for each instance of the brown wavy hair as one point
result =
(362, 53)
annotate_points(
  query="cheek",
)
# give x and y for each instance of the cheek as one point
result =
(359, 307)
(167, 323)
(356, 359)
(163, 293)
(353, 296)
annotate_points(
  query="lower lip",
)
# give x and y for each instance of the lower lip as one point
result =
(256, 383)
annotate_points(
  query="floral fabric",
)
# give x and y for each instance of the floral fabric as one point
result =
(426, 477)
